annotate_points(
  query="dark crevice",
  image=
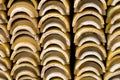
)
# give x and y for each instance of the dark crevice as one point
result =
(72, 50)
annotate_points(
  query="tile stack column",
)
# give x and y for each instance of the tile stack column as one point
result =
(24, 31)
(89, 39)
(5, 63)
(54, 27)
(113, 40)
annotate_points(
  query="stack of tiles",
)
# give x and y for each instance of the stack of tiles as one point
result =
(5, 63)
(54, 27)
(89, 38)
(113, 40)
(24, 31)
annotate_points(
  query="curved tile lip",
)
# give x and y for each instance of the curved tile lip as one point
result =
(6, 48)
(54, 48)
(111, 41)
(34, 2)
(114, 45)
(25, 72)
(55, 31)
(65, 2)
(49, 59)
(86, 69)
(24, 33)
(28, 57)
(112, 28)
(3, 66)
(80, 62)
(48, 36)
(55, 15)
(25, 24)
(58, 23)
(25, 41)
(58, 65)
(81, 31)
(112, 54)
(87, 46)
(90, 53)
(109, 75)
(3, 27)
(56, 42)
(25, 28)
(50, 25)
(102, 2)
(91, 23)
(98, 5)
(6, 62)
(114, 67)
(89, 38)
(115, 18)
(21, 16)
(88, 21)
(53, 5)
(31, 56)
(26, 60)
(3, 39)
(111, 15)
(22, 6)
(25, 65)
(112, 64)
(52, 75)
(87, 12)
(21, 51)
(55, 36)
